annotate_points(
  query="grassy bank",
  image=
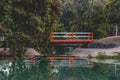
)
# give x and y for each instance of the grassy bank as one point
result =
(103, 56)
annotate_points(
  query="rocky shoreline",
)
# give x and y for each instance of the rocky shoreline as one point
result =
(109, 46)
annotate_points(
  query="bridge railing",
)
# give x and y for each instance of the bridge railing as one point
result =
(72, 37)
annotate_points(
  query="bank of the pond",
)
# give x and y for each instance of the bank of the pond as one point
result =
(30, 52)
(94, 52)
(109, 46)
(106, 61)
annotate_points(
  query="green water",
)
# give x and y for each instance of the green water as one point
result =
(42, 71)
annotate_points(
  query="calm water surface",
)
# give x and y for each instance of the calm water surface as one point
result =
(20, 70)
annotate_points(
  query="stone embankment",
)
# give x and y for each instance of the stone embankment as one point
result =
(108, 46)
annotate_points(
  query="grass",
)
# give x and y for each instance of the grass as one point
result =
(103, 56)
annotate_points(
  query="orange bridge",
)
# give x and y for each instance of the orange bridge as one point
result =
(71, 37)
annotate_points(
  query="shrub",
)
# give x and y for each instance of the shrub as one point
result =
(102, 56)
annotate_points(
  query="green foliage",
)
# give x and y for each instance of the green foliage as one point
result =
(114, 9)
(69, 53)
(90, 56)
(29, 23)
(117, 56)
(91, 15)
(102, 56)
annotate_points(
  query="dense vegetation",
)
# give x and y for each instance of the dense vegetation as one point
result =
(29, 23)
(98, 16)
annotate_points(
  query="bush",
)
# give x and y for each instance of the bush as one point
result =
(102, 56)
(89, 56)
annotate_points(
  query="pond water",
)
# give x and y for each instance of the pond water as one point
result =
(41, 70)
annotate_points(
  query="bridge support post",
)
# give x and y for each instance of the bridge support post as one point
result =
(51, 61)
(71, 62)
(32, 59)
(90, 63)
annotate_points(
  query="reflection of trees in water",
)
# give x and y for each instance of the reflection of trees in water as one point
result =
(43, 71)
(21, 71)
(98, 72)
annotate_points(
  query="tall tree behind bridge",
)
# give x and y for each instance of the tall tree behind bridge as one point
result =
(90, 15)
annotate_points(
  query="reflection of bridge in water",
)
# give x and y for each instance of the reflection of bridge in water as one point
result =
(69, 61)
(64, 61)
(113, 64)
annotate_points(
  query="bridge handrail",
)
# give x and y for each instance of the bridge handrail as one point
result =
(72, 37)
(72, 32)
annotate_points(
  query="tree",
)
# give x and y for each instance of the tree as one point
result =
(28, 23)
(114, 14)
(91, 16)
